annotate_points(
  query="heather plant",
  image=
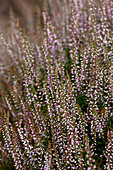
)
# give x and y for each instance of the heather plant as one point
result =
(57, 112)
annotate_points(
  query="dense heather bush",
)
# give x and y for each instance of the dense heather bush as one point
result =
(56, 95)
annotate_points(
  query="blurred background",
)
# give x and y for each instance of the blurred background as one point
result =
(29, 12)
(25, 10)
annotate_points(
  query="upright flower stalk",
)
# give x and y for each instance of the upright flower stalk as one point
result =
(57, 111)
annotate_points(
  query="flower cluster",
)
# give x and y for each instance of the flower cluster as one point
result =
(57, 111)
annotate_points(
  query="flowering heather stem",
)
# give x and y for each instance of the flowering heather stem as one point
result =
(58, 109)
